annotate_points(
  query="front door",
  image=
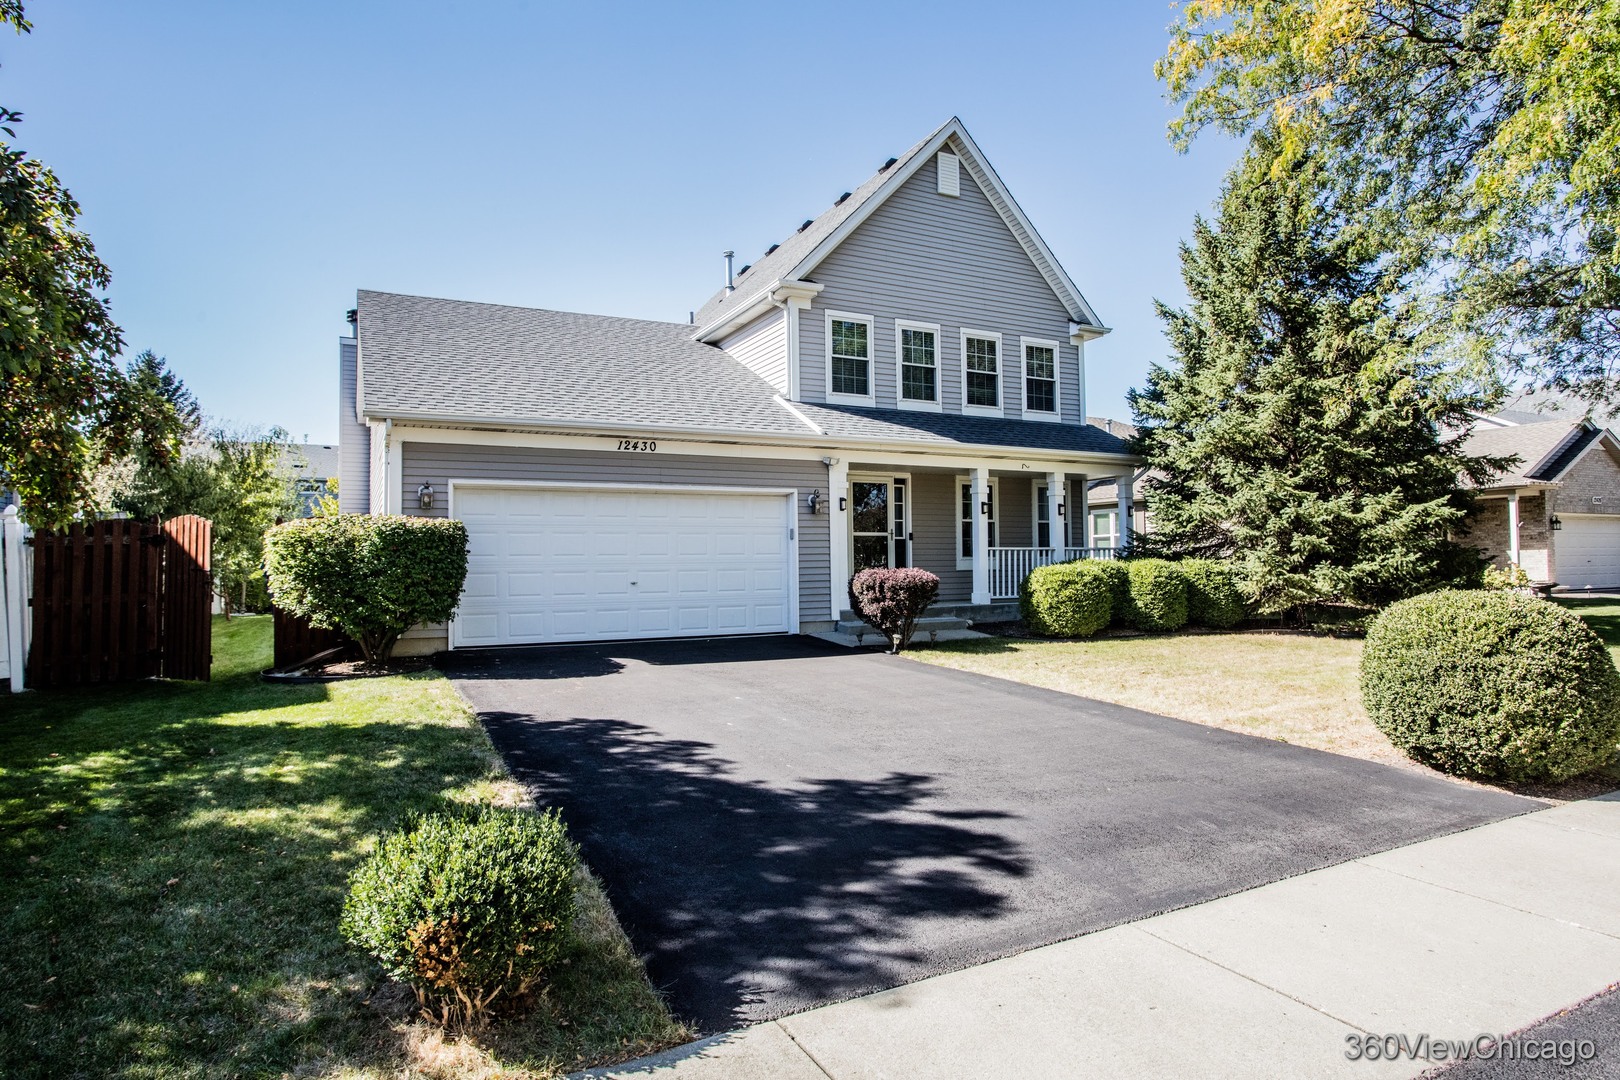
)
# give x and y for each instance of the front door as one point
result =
(879, 523)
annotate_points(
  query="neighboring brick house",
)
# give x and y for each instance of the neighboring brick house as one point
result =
(1556, 511)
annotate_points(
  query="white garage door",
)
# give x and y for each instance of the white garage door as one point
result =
(1588, 551)
(555, 564)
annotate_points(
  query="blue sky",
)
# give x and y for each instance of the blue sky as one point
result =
(245, 167)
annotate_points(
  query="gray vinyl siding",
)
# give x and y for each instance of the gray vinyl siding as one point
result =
(761, 346)
(354, 438)
(932, 258)
(439, 463)
(1015, 504)
(934, 522)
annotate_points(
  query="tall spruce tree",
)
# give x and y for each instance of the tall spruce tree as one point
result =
(1294, 431)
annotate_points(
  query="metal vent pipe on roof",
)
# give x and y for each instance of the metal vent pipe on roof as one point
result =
(731, 279)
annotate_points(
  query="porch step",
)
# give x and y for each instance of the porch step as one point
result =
(928, 628)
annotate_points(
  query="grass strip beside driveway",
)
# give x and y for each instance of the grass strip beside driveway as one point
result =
(176, 856)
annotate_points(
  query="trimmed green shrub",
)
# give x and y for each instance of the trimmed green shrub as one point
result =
(893, 599)
(1157, 596)
(373, 576)
(1213, 598)
(1492, 685)
(467, 908)
(1072, 599)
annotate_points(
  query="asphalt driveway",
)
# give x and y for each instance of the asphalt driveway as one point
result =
(782, 823)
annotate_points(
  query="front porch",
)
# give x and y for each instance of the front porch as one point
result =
(981, 528)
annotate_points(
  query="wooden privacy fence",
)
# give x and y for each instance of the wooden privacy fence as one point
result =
(297, 641)
(119, 600)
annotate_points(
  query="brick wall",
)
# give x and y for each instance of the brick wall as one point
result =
(1489, 533)
(1595, 476)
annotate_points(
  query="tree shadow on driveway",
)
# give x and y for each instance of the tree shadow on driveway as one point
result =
(757, 899)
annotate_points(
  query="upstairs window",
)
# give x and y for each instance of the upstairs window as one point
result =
(982, 372)
(917, 346)
(1040, 377)
(849, 360)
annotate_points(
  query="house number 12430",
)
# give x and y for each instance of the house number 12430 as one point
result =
(644, 446)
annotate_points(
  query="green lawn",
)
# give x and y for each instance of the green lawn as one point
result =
(1601, 614)
(175, 857)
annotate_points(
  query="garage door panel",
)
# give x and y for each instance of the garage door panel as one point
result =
(1588, 551)
(579, 565)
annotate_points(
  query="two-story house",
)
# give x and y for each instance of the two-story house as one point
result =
(899, 382)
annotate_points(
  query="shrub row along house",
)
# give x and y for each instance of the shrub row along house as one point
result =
(900, 382)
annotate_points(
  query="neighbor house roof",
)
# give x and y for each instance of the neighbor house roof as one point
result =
(797, 257)
(312, 460)
(430, 359)
(1543, 450)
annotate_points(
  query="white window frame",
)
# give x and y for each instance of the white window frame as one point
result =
(1036, 499)
(1056, 413)
(963, 561)
(870, 397)
(1001, 373)
(900, 399)
(1113, 533)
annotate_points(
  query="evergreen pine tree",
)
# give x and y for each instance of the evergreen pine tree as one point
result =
(1294, 431)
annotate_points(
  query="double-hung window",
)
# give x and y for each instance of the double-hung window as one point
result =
(981, 373)
(964, 521)
(849, 356)
(1104, 528)
(1040, 379)
(916, 345)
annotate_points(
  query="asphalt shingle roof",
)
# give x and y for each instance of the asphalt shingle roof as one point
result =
(953, 429)
(453, 359)
(1540, 449)
(768, 268)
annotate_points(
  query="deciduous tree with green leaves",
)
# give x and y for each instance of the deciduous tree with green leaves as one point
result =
(1295, 431)
(1478, 141)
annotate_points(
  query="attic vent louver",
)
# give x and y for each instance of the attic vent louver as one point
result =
(807, 223)
(950, 173)
(840, 200)
(887, 165)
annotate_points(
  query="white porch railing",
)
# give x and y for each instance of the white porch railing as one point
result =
(1009, 566)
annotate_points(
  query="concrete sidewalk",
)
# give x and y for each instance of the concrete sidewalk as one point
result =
(1484, 931)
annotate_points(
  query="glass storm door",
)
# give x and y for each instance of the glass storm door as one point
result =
(878, 524)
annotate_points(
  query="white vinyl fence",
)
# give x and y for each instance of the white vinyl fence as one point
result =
(15, 583)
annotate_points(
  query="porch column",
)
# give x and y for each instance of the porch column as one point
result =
(1126, 496)
(981, 536)
(1054, 520)
(1080, 514)
(838, 534)
(1513, 528)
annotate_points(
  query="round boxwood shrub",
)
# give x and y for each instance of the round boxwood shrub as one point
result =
(372, 576)
(1073, 599)
(467, 908)
(1157, 597)
(1492, 685)
(1213, 598)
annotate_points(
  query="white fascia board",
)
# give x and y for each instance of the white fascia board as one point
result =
(1011, 213)
(445, 429)
(773, 295)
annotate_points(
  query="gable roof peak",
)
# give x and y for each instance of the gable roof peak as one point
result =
(801, 253)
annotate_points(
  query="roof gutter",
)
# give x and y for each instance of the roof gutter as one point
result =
(575, 427)
(775, 294)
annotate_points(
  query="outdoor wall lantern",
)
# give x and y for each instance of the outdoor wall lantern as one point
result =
(984, 508)
(843, 504)
(812, 502)
(1555, 523)
(424, 496)
(1060, 509)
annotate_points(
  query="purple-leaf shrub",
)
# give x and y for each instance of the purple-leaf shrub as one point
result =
(893, 600)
